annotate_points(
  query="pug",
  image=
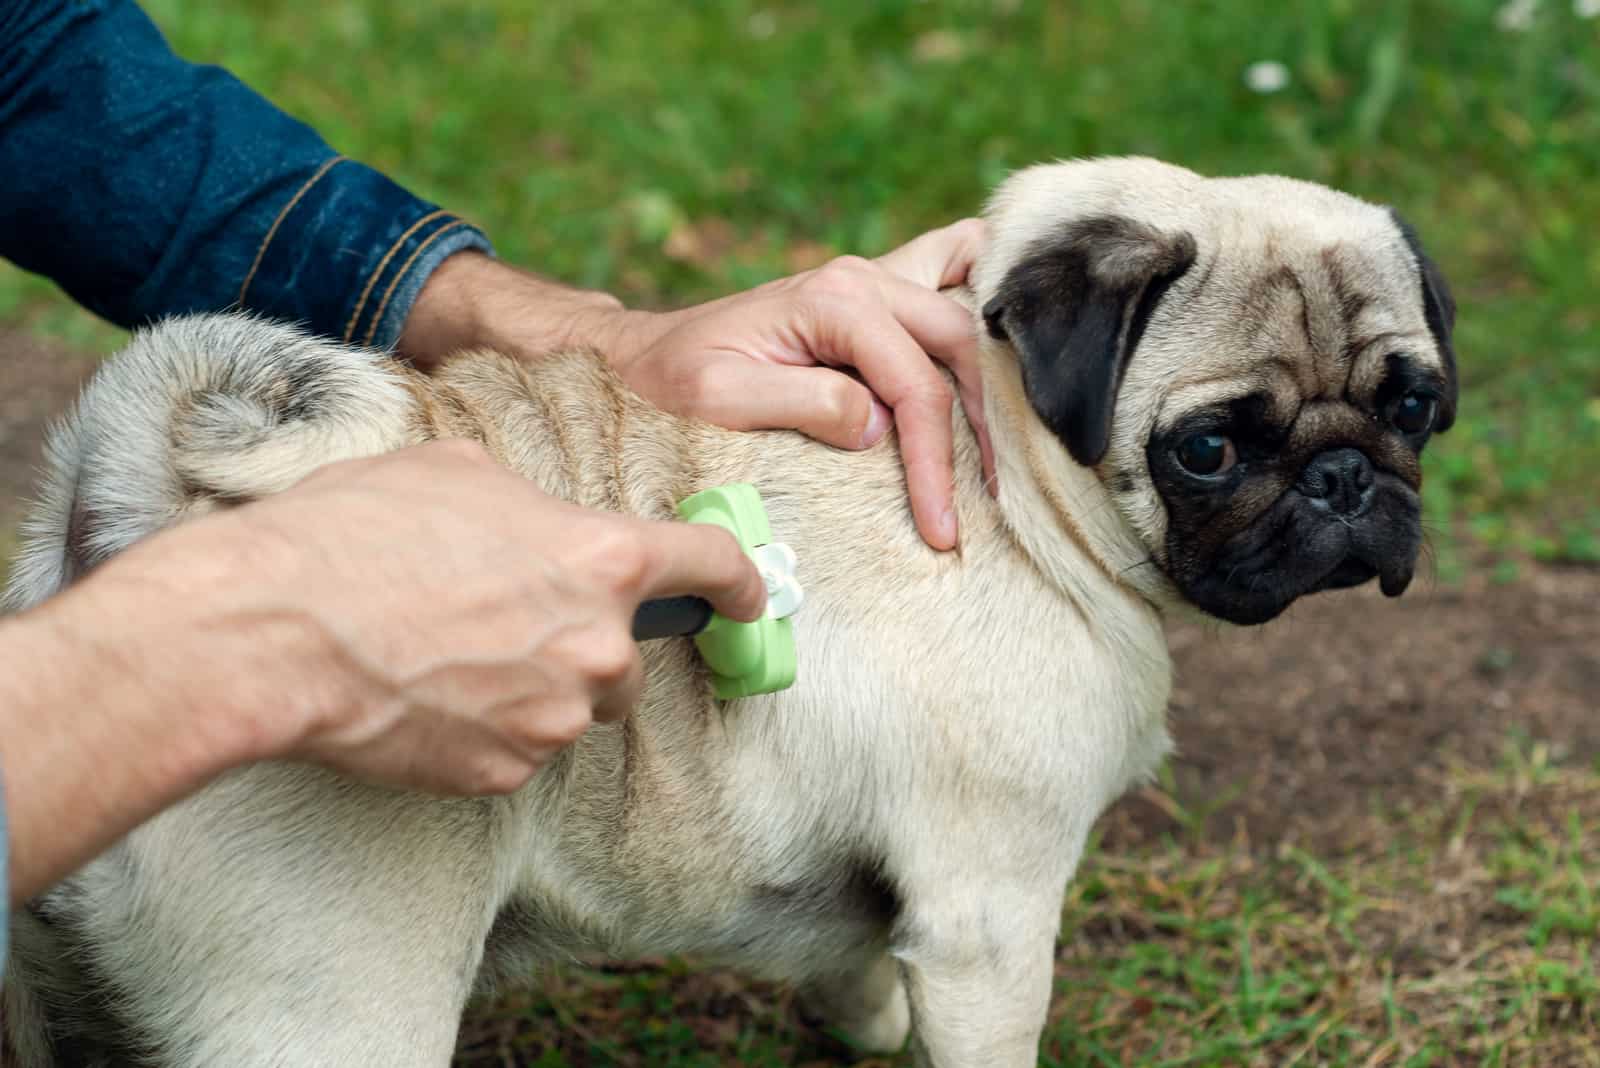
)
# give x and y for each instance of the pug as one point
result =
(1205, 395)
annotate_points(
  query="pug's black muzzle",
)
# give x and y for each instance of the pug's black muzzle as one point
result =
(1343, 523)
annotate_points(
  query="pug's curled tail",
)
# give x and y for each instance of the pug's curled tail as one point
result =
(196, 413)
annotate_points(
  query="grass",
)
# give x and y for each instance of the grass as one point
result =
(1463, 933)
(1465, 939)
(672, 152)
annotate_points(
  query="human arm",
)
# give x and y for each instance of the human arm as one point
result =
(138, 182)
(768, 357)
(148, 186)
(424, 619)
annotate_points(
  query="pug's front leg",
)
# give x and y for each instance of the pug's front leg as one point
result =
(978, 970)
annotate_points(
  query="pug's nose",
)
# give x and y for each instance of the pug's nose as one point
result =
(1339, 481)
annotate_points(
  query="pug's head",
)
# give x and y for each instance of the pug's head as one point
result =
(1251, 366)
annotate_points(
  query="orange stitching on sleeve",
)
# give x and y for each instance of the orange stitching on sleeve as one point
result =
(377, 272)
(273, 229)
(377, 316)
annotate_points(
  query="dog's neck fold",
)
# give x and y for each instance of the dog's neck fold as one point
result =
(1059, 511)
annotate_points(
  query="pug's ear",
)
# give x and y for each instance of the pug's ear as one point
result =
(1439, 308)
(1074, 307)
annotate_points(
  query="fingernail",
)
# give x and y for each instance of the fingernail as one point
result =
(947, 527)
(878, 424)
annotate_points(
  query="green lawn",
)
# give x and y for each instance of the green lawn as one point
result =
(672, 151)
(1461, 934)
(585, 135)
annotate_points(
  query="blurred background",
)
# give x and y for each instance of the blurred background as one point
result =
(1378, 844)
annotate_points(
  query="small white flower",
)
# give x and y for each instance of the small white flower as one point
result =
(761, 25)
(1586, 9)
(1517, 15)
(1267, 76)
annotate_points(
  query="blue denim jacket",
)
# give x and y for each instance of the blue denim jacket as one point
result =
(146, 186)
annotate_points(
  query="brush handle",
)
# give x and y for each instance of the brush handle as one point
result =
(671, 617)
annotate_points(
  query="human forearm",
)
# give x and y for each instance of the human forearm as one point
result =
(751, 360)
(424, 619)
(475, 301)
(118, 698)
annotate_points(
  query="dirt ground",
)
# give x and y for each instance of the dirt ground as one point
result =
(37, 383)
(1286, 733)
(1289, 731)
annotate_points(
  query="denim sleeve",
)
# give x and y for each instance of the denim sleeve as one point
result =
(147, 186)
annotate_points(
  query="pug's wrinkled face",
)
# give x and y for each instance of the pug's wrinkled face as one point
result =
(1252, 367)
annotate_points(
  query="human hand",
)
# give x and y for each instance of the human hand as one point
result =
(425, 619)
(449, 627)
(772, 357)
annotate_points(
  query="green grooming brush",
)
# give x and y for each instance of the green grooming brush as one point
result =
(745, 658)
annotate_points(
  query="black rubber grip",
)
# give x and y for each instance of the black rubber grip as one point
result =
(671, 617)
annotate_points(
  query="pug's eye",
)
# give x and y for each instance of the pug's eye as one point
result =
(1414, 412)
(1206, 454)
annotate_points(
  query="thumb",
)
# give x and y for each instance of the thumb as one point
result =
(699, 559)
